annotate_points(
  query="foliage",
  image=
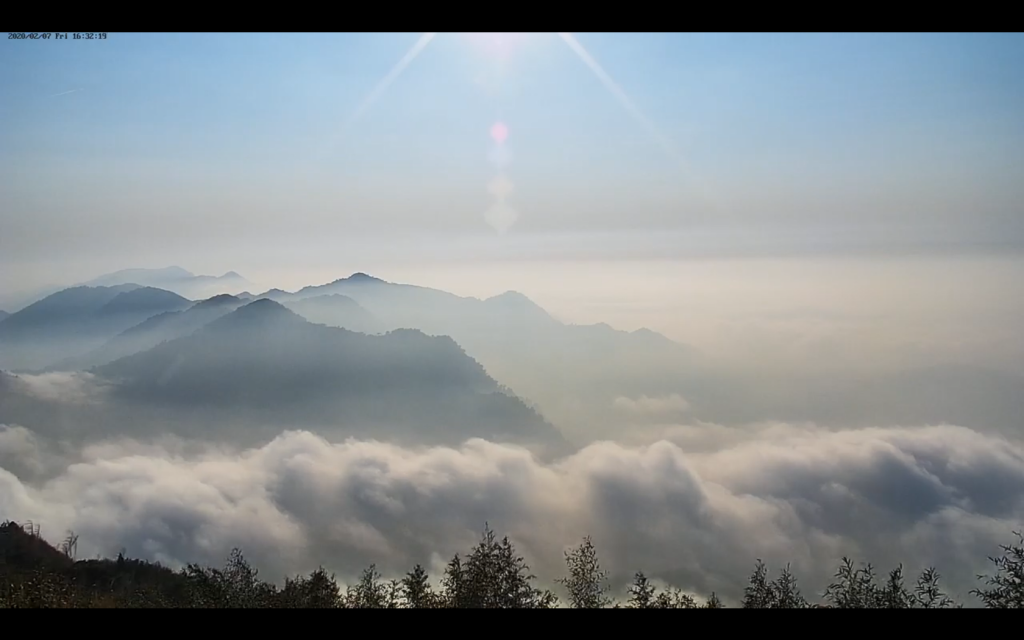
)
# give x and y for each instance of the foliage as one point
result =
(495, 577)
(416, 590)
(927, 593)
(894, 594)
(587, 583)
(758, 592)
(641, 592)
(785, 594)
(1005, 590)
(34, 574)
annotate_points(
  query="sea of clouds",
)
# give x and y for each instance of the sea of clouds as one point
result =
(693, 504)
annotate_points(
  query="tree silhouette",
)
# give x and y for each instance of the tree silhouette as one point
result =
(854, 588)
(784, 592)
(317, 591)
(641, 592)
(587, 582)
(34, 573)
(894, 594)
(496, 577)
(369, 592)
(927, 593)
(758, 592)
(454, 588)
(1005, 588)
(674, 599)
(713, 602)
(416, 589)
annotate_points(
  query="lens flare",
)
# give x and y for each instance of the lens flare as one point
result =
(500, 187)
(501, 217)
(499, 132)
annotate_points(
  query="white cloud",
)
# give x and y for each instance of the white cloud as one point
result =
(63, 387)
(696, 517)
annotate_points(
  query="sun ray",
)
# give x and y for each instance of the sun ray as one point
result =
(700, 187)
(392, 75)
(621, 96)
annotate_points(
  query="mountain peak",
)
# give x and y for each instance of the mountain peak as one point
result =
(265, 305)
(142, 298)
(260, 312)
(216, 301)
(232, 275)
(511, 296)
(513, 301)
(359, 276)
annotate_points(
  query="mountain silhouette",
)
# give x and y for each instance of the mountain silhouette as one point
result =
(268, 364)
(177, 280)
(337, 311)
(521, 344)
(142, 276)
(151, 332)
(74, 320)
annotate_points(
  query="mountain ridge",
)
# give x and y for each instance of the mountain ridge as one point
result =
(269, 362)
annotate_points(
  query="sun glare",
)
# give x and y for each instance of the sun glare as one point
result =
(500, 45)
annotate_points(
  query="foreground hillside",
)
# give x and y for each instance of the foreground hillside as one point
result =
(33, 574)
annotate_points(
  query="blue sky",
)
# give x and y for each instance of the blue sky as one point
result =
(185, 140)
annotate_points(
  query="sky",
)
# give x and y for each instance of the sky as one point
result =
(868, 183)
(259, 152)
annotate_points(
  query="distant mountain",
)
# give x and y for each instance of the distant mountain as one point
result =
(3, 314)
(263, 364)
(77, 319)
(151, 332)
(176, 279)
(140, 276)
(337, 311)
(17, 300)
(570, 371)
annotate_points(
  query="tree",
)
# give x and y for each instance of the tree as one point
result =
(758, 592)
(927, 593)
(785, 594)
(416, 589)
(393, 594)
(69, 546)
(1005, 588)
(243, 587)
(317, 591)
(713, 602)
(453, 584)
(369, 592)
(237, 586)
(894, 595)
(854, 588)
(674, 599)
(641, 592)
(494, 576)
(587, 582)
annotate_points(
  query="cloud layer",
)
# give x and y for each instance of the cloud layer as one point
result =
(695, 508)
